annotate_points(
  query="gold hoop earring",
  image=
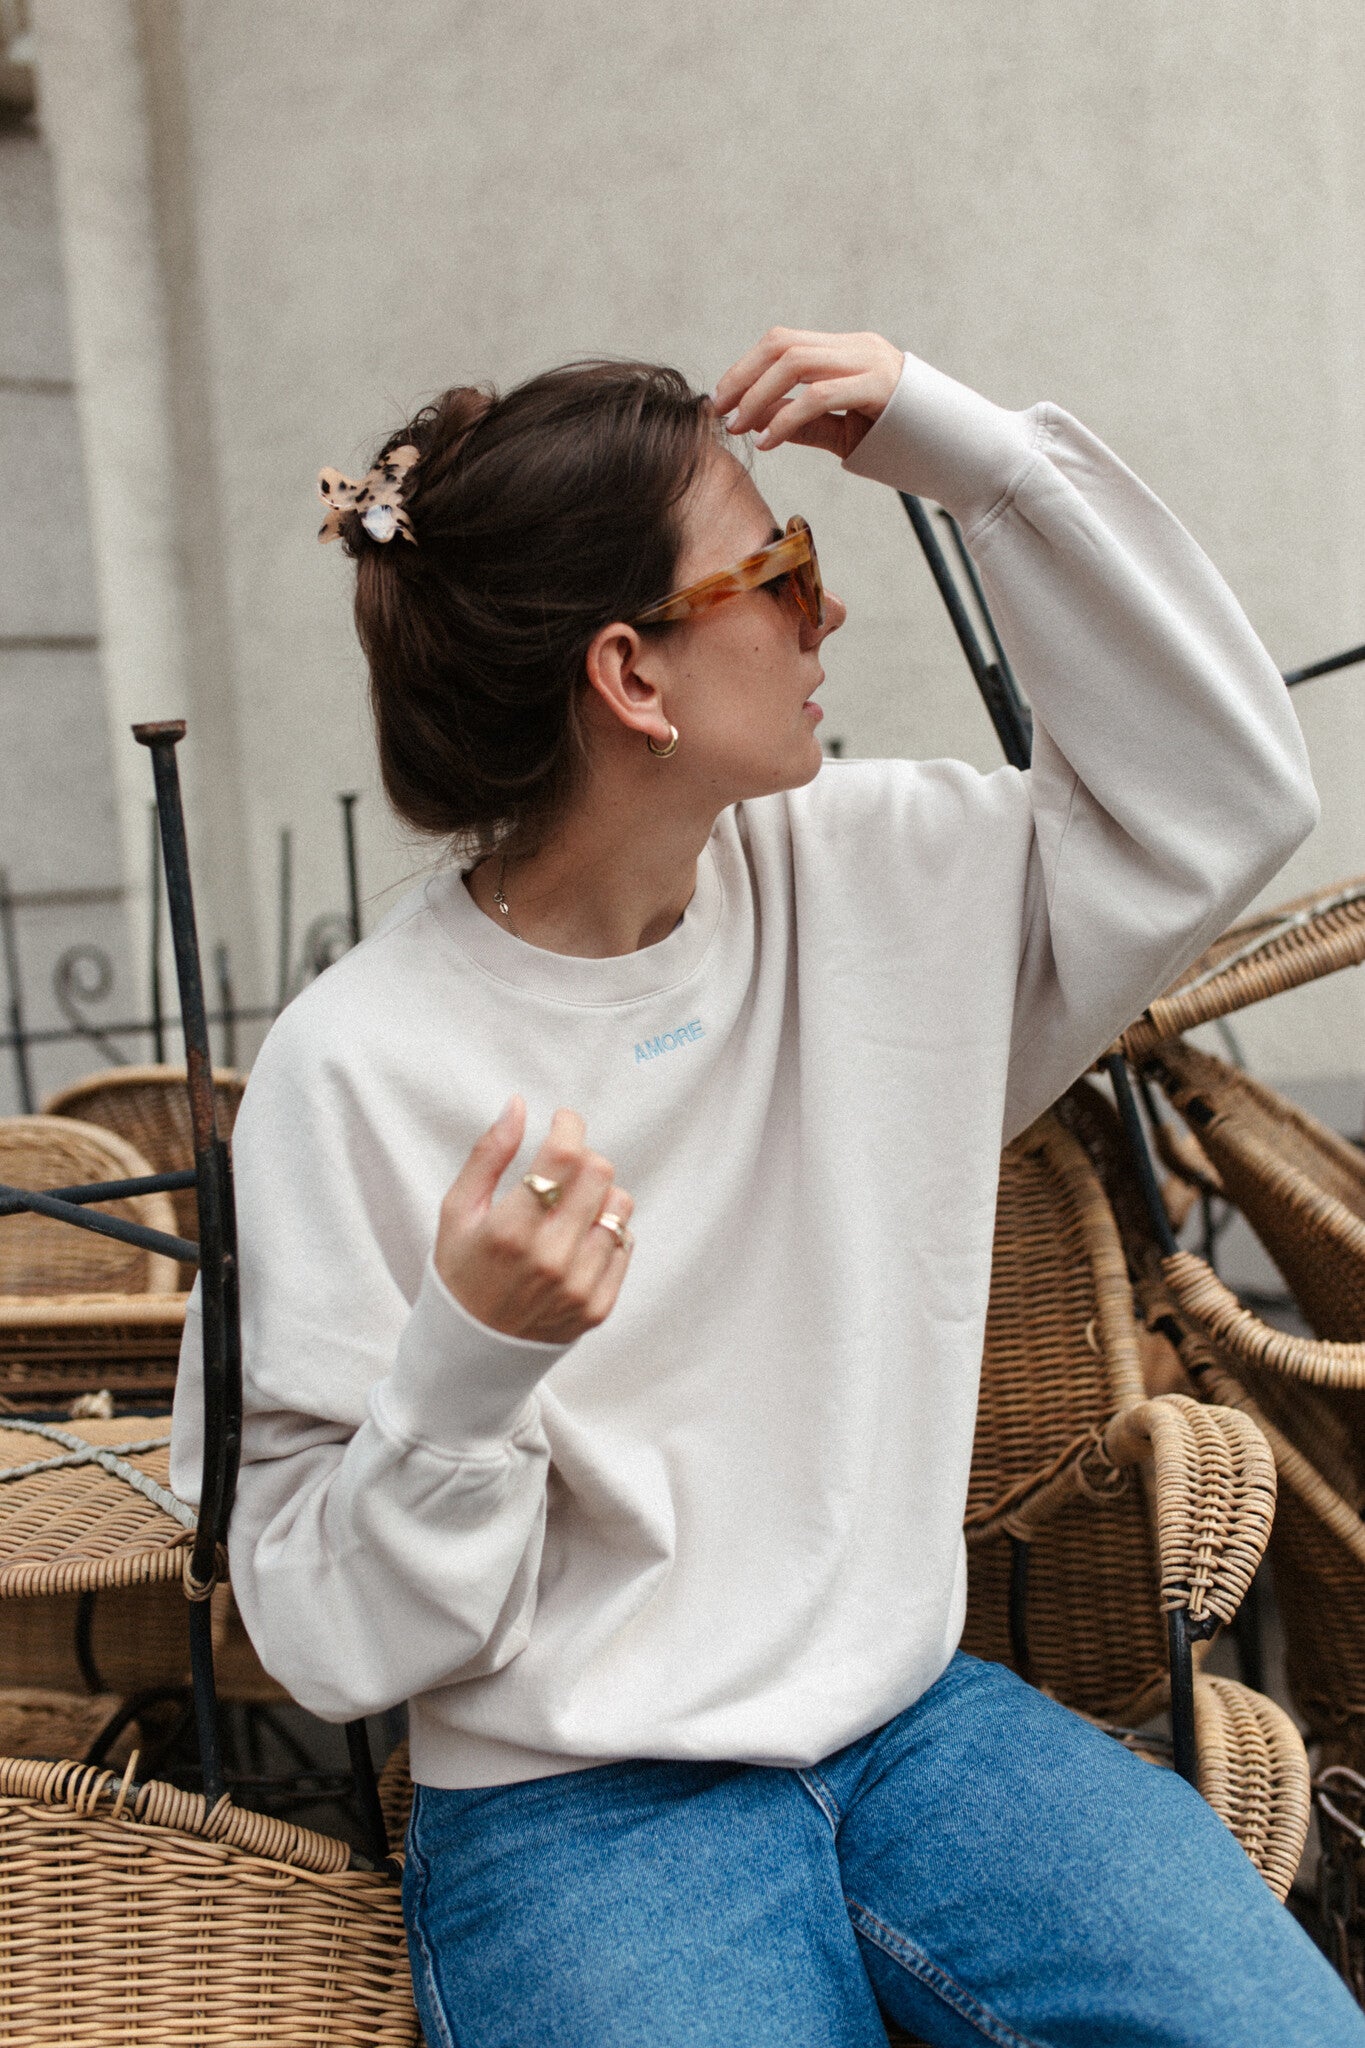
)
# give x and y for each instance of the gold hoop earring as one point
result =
(662, 753)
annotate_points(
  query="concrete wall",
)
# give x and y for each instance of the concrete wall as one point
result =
(57, 831)
(298, 218)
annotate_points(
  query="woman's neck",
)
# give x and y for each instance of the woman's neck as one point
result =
(601, 886)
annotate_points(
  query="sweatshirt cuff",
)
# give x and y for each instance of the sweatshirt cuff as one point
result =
(938, 439)
(457, 1384)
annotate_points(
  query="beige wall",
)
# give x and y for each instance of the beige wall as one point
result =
(303, 215)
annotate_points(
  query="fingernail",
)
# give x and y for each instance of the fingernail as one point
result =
(728, 419)
(713, 397)
(762, 440)
(507, 1109)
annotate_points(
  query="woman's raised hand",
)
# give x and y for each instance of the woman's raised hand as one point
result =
(844, 383)
(522, 1268)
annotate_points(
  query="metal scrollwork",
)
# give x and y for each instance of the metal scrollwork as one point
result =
(85, 974)
(324, 942)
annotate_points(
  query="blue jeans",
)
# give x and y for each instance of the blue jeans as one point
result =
(986, 1867)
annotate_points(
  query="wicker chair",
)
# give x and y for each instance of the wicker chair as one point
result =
(1299, 1185)
(1264, 955)
(229, 1925)
(77, 1311)
(149, 1107)
(1063, 1416)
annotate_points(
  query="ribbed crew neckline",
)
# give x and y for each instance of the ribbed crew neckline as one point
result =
(566, 977)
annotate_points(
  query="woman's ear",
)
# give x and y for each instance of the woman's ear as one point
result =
(616, 661)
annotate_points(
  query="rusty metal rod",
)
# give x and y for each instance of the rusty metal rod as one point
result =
(217, 1246)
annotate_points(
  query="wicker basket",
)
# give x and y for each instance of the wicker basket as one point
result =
(142, 1922)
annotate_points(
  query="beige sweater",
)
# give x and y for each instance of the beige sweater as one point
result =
(728, 1522)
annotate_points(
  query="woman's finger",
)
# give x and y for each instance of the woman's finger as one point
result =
(600, 1251)
(476, 1183)
(802, 365)
(558, 1160)
(752, 364)
(585, 1196)
(841, 397)
(603, 1298)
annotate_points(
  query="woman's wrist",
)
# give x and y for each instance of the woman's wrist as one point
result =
(940, 439)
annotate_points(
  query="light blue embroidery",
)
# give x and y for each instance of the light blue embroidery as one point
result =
(669, 1041)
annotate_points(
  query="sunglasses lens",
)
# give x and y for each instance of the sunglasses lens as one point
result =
(810, 590)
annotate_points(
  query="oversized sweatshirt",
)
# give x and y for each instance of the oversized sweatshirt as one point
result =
(727, 1523)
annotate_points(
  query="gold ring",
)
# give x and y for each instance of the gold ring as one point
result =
(609, 1220)
(546, 1192)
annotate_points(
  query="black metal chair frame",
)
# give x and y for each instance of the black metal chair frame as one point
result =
(216, 1256)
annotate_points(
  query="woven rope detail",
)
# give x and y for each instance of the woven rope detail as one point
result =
(110, 1458)
(80, 1528)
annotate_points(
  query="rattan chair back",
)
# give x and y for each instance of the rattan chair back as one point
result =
(1317, 1543)
(1317, 1554)
(40, 1257)
(1298, 942)
(1299, 1185)
(149, 1106)
(1061, 1357)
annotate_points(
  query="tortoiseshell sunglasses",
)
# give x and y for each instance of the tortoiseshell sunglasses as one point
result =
(793, 557)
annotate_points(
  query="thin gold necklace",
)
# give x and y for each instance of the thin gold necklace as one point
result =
(501, 900)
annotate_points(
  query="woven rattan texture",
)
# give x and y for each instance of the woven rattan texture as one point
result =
(149, 1107)
(1324, 943)
(58, 1346)
(124, 1933)
(39, 1256)
(37, 1722)
(1317, 1555)
(138, 1637)
(1299, 1185)
(80, 1529)
(1060, 1358)
(1253, 1770)
(395, 1794)
(1214, 1481)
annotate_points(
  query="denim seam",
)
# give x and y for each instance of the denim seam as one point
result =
(418, 1939)
(823, 1797)
(934, 1978)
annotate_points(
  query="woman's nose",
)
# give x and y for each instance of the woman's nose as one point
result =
(836, 611)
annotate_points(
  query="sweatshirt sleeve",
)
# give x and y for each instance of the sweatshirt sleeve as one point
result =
(390, 1505)
(1169, 779)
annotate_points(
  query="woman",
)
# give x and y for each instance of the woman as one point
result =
(661, 1540)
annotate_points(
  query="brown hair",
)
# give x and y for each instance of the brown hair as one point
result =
(539, 517)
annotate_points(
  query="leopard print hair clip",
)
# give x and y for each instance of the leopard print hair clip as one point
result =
(377, 498)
